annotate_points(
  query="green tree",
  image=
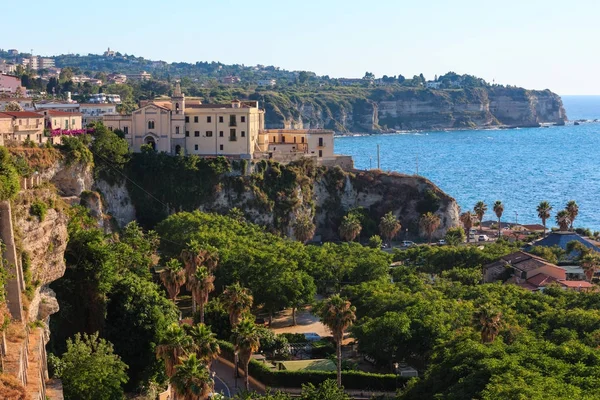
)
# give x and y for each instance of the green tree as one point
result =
(429, 223)
(204, 343)
(173, 277)
(543, 210)
(389, 226)
(237, 301)
(338, 315)
(375, 242)
(499, 210)
(304, 228)
(13, 106)
(192, 379)
(173, 345)
(385, 338)
(455, 236)
(247, 341)
(327, 390)
(137, 316)
(111, 152)
(350, 228)
(90, 369)
(9, 178)
(573, 210)
(480, 209)
(590, 263)
(563, 220)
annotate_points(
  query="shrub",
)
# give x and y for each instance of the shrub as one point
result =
(38, 209)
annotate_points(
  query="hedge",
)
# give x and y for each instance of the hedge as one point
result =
(350, 379)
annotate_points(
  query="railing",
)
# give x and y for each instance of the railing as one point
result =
(22, 128)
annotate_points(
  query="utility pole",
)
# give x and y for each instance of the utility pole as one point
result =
(378, 159)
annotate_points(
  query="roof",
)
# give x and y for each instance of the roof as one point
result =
(243, 104)
(577, 284)
(22, 114)
(534, 227)
(525, 261)
(561, 239)
(55, 113)
(541, 280)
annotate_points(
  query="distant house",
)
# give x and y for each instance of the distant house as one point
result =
(530, 272)
(562, 239)
(229, 80)
(267, 82)
(533, 227)
(433, 85)
(143, 76)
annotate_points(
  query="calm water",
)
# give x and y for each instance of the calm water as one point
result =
(521, 167)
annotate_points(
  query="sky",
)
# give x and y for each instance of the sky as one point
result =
(536, 44)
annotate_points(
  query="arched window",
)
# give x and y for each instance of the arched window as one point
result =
(150, 124)
(177, 130)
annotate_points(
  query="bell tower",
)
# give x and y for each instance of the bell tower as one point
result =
(178, 100)
(177, 136)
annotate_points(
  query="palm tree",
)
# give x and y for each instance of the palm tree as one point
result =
(204, 343)
(590, 263)
(389, 227)
(563, 220)
(192, 379)
(304, 228)
(201, 284)
(490, 321)
(173, 345)
(429, 223)
(480, 209)
(247, 341)
(173, 277)
(237, 300)
(350, 228)
(543, 210)
(337, 314)
(498, 209)
(467, 220)
(573, 210)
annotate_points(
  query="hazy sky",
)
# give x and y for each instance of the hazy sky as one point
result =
(536, 44)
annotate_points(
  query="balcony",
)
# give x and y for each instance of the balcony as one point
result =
(27, 128)
(233, 138)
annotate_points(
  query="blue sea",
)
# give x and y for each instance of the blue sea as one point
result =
(520, 167)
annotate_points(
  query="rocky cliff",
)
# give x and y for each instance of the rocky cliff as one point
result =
(389, 109)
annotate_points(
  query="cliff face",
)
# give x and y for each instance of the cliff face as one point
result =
(388, 109)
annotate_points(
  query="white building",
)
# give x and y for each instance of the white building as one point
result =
(267, 82)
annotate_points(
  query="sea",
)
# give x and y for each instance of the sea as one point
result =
(520, 167)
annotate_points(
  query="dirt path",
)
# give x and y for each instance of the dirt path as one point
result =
(305, 320)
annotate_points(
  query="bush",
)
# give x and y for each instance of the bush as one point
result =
(350, 379)
(375, 242)
(322, 348)
(39, 209)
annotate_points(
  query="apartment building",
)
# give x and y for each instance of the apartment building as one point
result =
(11, 85)
(223, 129)
(21, 126)
(92, 112)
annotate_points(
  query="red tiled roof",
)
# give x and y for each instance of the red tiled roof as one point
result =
(577, 284)
(534, 227)
(541, 280)
(22, 114)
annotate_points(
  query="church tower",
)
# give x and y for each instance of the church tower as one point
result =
(177, 121)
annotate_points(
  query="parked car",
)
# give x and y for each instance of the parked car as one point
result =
(312, 336)
(483, 238)
(407, 243)
(442, 242)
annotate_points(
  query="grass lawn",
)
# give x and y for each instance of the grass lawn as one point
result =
(309, 365)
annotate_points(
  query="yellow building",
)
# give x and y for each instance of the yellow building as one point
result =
(230, 129)
(23, 125)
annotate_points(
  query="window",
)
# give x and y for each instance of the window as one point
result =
(294, 139)
(208, 119)
(196, 119)
(232, 135)
(220, 133)
(282, 139)
(320, 153)
(232, 121)
(302, 139)
(221, 119)
(73, 122)
(243, 118)
(187, 119)
(150, 124)
(197, 133)
(196, 147)
(274, 139)
(243, 133)
(177, 130)
(208, 133)
(187, 133)
(126, 130)
(320, 142)
(221, 147)
(111, 128)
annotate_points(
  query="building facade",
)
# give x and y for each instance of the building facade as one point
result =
(11, 85)
(23, 125)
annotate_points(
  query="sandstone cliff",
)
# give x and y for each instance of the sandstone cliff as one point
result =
(390, 109)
